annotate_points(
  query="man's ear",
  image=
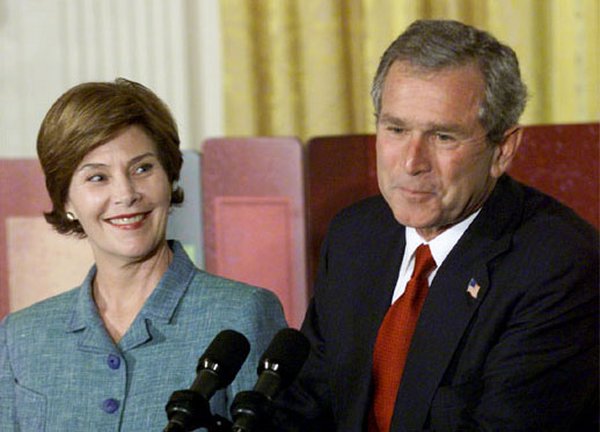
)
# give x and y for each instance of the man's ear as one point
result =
(506, 150)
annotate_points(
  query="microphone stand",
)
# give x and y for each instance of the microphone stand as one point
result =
(187, 410)
(250, 410)
(219, 424)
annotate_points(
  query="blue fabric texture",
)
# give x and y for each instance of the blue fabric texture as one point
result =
(60, 370)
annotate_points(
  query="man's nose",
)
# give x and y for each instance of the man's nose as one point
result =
(417, 154)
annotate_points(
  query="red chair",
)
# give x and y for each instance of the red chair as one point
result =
(562, 160)
(254, 216)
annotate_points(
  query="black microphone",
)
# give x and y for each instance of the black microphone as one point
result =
(277, 368)
(217, 367)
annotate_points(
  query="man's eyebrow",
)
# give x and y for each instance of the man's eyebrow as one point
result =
(432, 126)
(445, 127)
(386, 118)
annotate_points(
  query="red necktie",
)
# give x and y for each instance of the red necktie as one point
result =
(393, 341)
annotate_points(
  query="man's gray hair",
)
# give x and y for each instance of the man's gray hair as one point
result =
(432, 45)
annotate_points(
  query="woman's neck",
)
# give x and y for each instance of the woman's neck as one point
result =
(121, 289)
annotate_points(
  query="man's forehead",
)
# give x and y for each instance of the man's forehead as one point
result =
(412, 69)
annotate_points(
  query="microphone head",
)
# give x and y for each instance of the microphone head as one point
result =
(225, 355)
(285, 355)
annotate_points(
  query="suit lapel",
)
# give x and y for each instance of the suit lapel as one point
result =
(370, 301)
(458, 289)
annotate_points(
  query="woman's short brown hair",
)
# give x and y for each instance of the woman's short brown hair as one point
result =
(89, 115)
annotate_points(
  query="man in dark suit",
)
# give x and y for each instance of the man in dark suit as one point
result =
(504, 333)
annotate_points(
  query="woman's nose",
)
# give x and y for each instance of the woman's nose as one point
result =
(125, 192)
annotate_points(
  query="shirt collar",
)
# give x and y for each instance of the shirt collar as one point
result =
(442, 244)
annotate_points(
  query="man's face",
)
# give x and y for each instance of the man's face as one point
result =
(434, 164)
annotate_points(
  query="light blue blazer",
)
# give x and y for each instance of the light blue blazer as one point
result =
(60, 370)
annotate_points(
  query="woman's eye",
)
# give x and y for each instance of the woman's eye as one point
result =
(96, 178)
(143, 168)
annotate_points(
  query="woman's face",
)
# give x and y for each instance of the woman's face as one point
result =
(121, 195)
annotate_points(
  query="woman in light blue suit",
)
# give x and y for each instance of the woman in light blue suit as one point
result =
(107, 355)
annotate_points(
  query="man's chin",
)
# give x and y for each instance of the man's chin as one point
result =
(414, 219)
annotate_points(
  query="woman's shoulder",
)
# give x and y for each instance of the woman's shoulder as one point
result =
(43, 314)
(207, 284)
(222, 296)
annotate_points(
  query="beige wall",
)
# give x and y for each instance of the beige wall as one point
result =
(47, 46)
(41, 262)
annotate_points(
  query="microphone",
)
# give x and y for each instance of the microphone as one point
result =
(217, 367)
(277, 368)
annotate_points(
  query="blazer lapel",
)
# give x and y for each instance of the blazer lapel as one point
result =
(457, 290)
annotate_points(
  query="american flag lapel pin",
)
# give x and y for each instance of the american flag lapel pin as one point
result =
(473, 288)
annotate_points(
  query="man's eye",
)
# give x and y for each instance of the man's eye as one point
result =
(395, 129)
(445, 138)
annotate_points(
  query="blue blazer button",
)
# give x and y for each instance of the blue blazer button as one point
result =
(110, 405)
(113, 361)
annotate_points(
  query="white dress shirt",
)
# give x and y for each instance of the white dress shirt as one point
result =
(440, 247)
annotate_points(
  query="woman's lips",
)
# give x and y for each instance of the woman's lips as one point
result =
(129, 221)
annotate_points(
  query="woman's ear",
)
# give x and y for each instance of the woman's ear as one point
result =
(69, 212)
(506, 150)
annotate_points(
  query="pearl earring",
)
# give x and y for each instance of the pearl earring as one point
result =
(71, 216)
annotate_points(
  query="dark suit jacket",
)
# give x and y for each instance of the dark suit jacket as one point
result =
(522, 355)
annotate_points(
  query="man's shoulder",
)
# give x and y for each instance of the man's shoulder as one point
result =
(371, 210)
(535, 221)
(365, 225)
(546, 215)
(517, 207)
